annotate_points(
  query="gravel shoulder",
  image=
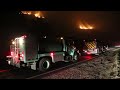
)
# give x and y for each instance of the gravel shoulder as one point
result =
(104, 67)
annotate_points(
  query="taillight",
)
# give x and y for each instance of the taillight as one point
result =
(13, 42)
(11, 53)
(22, 55)
(51, 54)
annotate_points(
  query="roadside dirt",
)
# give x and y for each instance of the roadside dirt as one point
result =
(104, 67)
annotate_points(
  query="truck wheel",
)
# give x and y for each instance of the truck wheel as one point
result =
(44, 64)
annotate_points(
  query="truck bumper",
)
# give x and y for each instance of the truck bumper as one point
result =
(13, 63)
(22, 64)
(33, 66)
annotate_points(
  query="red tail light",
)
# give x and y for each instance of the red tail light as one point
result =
(11, 53)
(51, 54)
(22, 55)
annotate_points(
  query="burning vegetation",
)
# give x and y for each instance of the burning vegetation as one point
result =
(37, 14)
(85, 26)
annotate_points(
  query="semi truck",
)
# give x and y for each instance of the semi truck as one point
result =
(40, 53)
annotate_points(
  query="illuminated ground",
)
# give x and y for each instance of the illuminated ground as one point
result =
(103, 67)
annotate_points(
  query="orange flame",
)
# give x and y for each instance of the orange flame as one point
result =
(37, 14)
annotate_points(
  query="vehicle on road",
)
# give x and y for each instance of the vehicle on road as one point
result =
(93, 47)
(40, 53)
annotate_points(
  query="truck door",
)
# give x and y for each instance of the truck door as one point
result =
(12, 50)
(16, 53)
(70, 47)
(18, 50)
(21, 49)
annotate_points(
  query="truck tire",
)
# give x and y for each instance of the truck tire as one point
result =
(44, 64)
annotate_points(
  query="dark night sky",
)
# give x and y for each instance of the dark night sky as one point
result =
(107, 24)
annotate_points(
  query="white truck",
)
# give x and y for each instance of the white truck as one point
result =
(40, 53)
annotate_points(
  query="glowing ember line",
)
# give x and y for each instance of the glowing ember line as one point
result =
(37, 14)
